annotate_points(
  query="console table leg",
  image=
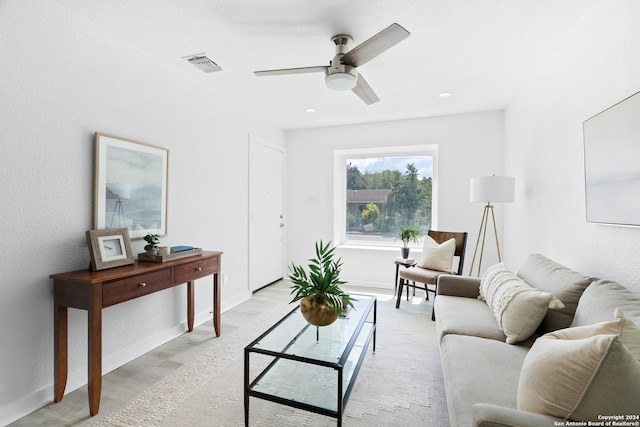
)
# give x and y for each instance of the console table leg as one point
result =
(95, 351)
(216, 301)
(60, 348)
(190, 305)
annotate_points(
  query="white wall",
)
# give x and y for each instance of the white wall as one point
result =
(468, 145)
(63, 79)
(594, 68)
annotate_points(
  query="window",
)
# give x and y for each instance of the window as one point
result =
(379, 191)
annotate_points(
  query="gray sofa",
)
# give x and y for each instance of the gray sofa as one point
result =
(481, 371)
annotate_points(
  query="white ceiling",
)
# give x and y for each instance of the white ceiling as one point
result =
(479, 50)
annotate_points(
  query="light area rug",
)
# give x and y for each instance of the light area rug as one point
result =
(398, 385)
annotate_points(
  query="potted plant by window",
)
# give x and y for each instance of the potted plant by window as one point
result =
(318, 288)
(407, 235)
(152, 243)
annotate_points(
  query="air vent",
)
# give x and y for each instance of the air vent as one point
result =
(205, 64)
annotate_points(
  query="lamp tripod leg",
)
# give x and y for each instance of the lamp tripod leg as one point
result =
(483, 224)
(495, 232)
(487, 208)
(482, 233)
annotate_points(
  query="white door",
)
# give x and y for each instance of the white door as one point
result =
(266, 213)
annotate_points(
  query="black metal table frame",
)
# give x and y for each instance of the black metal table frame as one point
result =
(395, 284)
(338, 366)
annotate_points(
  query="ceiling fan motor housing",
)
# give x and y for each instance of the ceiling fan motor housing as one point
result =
(340, 76)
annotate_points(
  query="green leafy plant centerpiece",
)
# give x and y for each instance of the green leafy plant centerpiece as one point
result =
(318, 289)
(408, 235)
(152, 243)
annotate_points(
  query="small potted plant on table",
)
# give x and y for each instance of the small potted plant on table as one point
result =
(407, 235)
(152, 240)
(318, 289)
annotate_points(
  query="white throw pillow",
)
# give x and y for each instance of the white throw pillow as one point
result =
(517, 307)
(436, 256)
(581, 372)
(629, 334)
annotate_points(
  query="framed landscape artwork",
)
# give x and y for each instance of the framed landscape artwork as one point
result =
(130, 186)
(612, 164)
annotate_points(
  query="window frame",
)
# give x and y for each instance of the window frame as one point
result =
(340, 158)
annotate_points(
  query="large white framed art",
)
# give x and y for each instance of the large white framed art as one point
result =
(130, 186)
(612, 164)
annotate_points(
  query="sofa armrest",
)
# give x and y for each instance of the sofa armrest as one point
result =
(486, 415)
(458, 286)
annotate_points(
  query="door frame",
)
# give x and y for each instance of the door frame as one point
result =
(257, 140)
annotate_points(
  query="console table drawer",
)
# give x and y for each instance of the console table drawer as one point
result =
(195, 270)
(133, 287)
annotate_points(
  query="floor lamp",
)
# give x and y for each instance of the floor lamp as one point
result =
(488, 189)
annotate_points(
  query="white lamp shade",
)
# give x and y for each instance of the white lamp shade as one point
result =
(487, 189)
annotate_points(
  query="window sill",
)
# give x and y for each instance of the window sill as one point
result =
(355, 246)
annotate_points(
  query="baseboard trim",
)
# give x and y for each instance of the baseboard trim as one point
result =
(33, 401)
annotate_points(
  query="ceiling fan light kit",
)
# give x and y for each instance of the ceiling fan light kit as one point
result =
(342, 73)
(341, 81)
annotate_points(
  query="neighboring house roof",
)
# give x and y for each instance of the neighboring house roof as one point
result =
(368, 196)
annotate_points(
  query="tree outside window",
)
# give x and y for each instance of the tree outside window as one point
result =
(385, 194)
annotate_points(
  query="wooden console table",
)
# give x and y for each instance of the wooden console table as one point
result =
(95, 290)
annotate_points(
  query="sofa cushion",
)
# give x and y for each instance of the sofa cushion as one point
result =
(580, 373)
(437, 256)
(517, 307)
(479, 370)
(567, 285)
(627, 330)
(465, 316)
(600, 300)
(486, 415)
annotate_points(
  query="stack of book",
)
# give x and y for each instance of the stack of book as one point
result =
(176, 252)
(406, 260)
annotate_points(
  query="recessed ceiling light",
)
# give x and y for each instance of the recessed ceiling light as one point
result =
(310, 110)
(445, 95)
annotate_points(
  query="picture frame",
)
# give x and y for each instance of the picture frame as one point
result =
(130, 186)
(612, 171)
(109, 248)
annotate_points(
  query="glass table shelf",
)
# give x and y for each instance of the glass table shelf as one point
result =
(309, 367)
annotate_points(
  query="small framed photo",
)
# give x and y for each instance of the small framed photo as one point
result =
(109, 248)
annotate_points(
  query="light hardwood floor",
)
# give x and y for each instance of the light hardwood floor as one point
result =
(123, 384)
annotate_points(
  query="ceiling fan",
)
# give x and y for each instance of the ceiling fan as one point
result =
(342, 73)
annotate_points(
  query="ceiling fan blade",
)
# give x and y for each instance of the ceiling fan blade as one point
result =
(374, 46)
(301, 70)
(364, 91)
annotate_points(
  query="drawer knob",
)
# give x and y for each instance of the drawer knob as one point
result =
(142, 285)
(198, 268)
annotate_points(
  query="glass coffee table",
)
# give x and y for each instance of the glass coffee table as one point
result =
(309, 367)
